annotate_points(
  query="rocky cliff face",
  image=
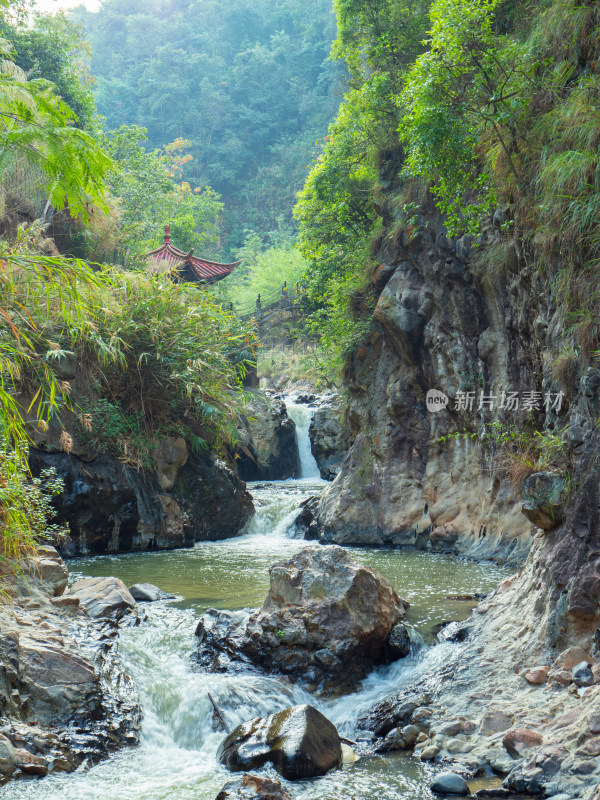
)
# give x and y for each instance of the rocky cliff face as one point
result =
(330, 437)
(471, 478)
(269, 448)
(436, 479)
(110, 507)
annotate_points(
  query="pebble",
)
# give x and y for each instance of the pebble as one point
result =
(537, 676)
(582, 674)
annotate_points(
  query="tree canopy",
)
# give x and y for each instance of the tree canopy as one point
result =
(247, 83)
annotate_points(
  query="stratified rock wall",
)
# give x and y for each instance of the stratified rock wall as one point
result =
(438, 327)
(330, 436)
(439, 479)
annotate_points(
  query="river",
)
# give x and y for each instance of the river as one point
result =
(176, 759)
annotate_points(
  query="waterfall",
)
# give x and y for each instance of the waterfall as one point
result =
(302, 415)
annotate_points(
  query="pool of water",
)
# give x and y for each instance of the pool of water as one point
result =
(176, 759)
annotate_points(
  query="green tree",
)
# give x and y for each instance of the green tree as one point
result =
(465, 101)
(36, 128)
(152, 194)
(53, 48)
(247, 83)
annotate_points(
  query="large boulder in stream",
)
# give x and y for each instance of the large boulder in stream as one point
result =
(326, 621)
(299, 742)
(103, 597)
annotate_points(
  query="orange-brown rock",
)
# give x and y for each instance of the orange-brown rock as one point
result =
(537, 675)
(571, 657)
(520, 739)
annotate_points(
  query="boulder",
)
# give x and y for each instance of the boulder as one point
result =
(520, 739)
(395, 712)
(398, 643)
(454, 726)
(57, 681)
(536, 770)
(251, 787)
(103, 597)
(495, 721)
(572, 656)
(429, 753)
(582, 674)
(299, 742)
(30, 764)
(146, 592)
(8, 757)
(48, 567)
(543, 496)
(449, 783)
(326, 621)
(306, 524)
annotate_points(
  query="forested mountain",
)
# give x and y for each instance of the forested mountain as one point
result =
(248, 83)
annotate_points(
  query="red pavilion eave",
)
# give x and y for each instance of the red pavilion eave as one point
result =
(186, 266)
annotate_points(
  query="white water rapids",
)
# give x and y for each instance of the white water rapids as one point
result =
(176, 758)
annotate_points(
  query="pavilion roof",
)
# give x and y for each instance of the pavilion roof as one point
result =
(167, 257)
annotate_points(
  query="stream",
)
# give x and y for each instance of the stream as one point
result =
(176, 759)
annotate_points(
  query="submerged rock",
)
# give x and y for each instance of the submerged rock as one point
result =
(300, 743)
(251, 787)
(326, 621)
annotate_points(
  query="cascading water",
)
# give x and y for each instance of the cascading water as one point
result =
(176, 759)
(302, 415)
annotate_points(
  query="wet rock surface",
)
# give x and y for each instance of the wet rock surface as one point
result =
(326, 621)
(330, 437)
(299, 742)
(147, 593)
(253, 787)
(64, 695)
(450, 783)
(269, 448)
(110, 507)
(103, 597)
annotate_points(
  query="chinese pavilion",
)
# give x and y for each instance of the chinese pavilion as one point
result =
(186, 266)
